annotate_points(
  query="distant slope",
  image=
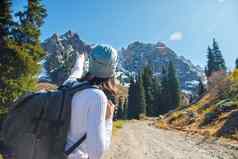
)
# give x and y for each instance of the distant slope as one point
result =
(215, 114)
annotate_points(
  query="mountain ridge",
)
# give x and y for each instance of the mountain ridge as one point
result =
(138, 55)
(131, 59)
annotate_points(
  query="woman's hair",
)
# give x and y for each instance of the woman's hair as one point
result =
(108, 85)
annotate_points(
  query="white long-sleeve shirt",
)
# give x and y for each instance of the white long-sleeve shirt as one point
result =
(77, 70)
(88, 117)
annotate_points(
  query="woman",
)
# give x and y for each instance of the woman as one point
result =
(92, 112)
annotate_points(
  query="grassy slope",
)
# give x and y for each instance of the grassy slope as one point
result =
(215, 114)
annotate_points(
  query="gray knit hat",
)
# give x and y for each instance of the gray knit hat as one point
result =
(103, 61)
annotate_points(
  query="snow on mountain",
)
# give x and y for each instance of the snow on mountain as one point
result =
(61, 48)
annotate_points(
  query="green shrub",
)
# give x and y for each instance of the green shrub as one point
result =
(208, 119)
(118, 125)
(226, 106)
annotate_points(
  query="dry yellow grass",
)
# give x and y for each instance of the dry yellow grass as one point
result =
(234, 75)
(235, 136)
(200, 103)
(161, 124)
(118, 125)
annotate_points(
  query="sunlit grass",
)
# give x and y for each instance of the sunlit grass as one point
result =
(161, 124)
(118, 125)
(205, 100)
(235, 135)
(210, 109)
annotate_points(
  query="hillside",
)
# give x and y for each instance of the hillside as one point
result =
(215, 114)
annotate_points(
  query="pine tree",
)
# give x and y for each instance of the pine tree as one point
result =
(10, 61)
(201, 88)
(237, 63)
(30, 21)
(170, 90)
(174, 90)
(216, 61)
(5, 20)
(131, 112)
(164, 106)
(19, 61)
(27, 32)
(148, 87)
(5, 12)
(140, 97)
(157, 96)
(210, 63)
(125, 105)
(120, 110)
(219, 61)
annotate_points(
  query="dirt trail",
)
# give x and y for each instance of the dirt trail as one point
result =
(138, 140)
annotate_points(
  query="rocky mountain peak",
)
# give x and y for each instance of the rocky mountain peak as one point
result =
(55, 37)
(70, 35)
(138, 55)
(66, 41)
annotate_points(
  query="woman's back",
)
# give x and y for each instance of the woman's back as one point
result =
(88, 117)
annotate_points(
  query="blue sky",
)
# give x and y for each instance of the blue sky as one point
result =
(186, 26)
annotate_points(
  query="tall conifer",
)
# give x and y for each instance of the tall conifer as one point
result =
(5, 20)
(219, 61)
(237, 63)
(210, 63)
(174, 90)
(201, 88)
(120, 110)
(157, 96)
(148, 87)
(125, 105)
(131, 111)
(19, 59)
(215, 61)
(140, 97)
(164, 91)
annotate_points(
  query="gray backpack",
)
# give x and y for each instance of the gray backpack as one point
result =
(37, 125)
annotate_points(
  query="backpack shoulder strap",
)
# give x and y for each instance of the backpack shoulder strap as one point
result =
(81, 86)
(75, 145)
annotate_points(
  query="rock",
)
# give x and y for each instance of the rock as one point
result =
(230, 126)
